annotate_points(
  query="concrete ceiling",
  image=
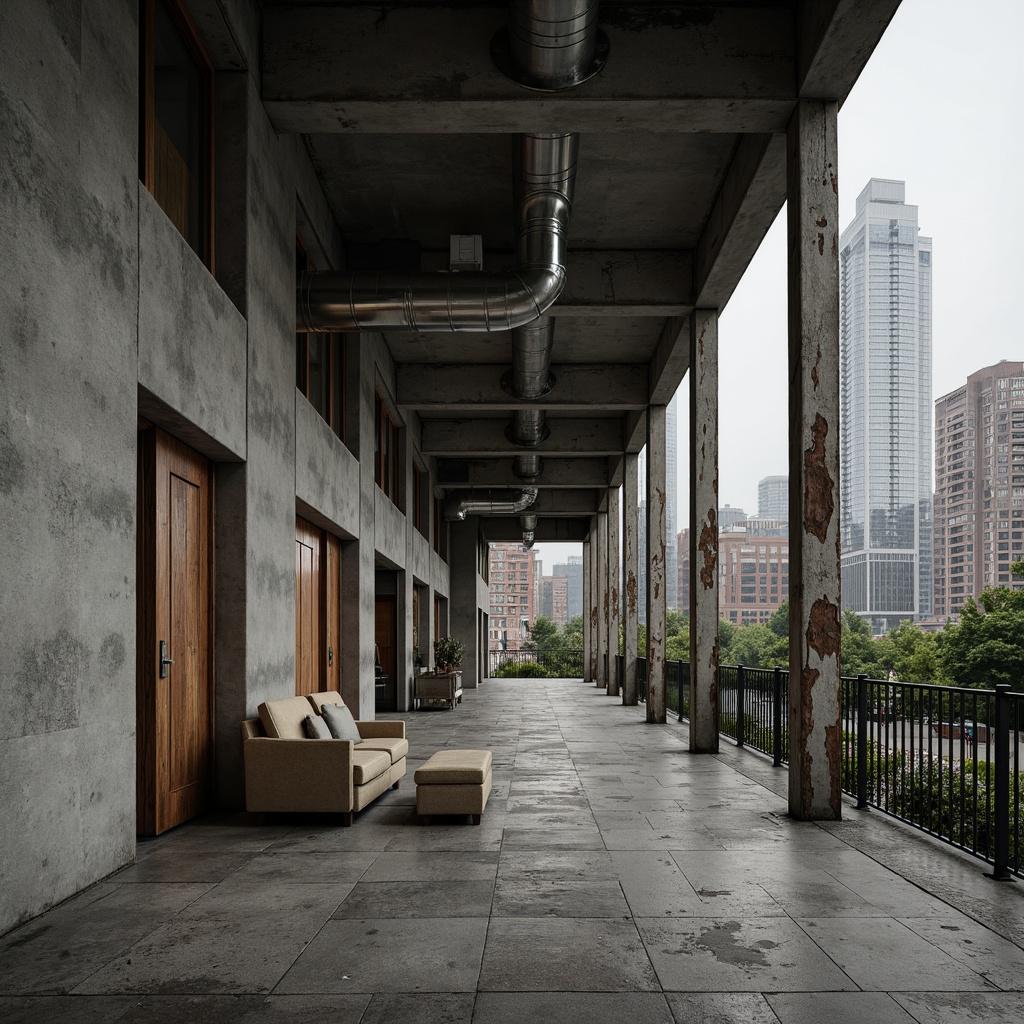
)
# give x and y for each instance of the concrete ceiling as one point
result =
(410, 127)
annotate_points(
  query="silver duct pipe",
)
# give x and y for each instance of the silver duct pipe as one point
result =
(459, 508)
(551, 44)
(467, 301)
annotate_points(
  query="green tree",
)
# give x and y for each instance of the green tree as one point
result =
(911, 653)
(860, 652)
(750, 646)
(987, 647)
(545, 637)
(779, 622)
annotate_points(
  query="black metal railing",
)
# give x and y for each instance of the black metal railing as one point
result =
(946, 760)
(559, 663)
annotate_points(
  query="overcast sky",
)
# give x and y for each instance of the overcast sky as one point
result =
(940, 106)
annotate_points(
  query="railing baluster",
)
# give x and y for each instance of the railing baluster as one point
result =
(740, 682)
(1001, 855)
(777, 716)
(862, 741)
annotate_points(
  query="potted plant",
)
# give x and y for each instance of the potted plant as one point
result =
(448, 653)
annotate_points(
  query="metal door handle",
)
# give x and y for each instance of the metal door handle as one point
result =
(164, 660)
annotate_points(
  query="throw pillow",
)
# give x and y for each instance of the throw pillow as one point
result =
(341, 723)
(316, 728)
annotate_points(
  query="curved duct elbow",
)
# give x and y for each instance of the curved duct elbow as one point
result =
(459, 508)
(473, 301)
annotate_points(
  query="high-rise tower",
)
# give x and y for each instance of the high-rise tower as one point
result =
(886, 409)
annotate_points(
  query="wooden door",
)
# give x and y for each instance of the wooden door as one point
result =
(175, 672)
(385, 623)
(307, 607)
(317, 609)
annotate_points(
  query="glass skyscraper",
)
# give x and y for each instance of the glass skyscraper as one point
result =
(886, 409)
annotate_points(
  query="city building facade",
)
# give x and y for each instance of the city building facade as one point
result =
(753, 574)
(553, 598)
(979, 486)
(572, 570)
(512, 579)
(773, 498)
(886, 409)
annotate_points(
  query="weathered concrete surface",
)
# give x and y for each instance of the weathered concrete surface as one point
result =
(630, 573)
(192, 340)
(473, 595)
(326, 472)
(614, 589)
(469, 437)
(601, 679)
(588, 635)
(704, 533)
(68, 421)
(656, 595)
(814, 543)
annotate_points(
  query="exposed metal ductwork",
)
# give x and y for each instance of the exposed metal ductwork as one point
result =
(551, 44)
(465, 301)
(460, 507)
(529, 525)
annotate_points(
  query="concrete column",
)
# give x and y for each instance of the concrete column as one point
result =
(815, 734)
(601, 679)
(614, 590)
(630, 571)
(587, 637)
(704, 531)
(592, 600)
(656, 456)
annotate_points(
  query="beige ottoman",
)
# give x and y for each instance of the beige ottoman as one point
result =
(453, 782)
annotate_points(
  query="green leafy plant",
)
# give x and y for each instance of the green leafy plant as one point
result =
(521, 670)
(448, 653)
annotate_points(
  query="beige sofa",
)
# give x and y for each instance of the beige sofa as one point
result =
(285, 771)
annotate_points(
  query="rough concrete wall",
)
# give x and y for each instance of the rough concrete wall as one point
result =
(192, 340)
(466, 582)
(68, 311)
(326, 472)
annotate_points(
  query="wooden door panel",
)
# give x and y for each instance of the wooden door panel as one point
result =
(175, 713)
(332, 616)
(307, 608)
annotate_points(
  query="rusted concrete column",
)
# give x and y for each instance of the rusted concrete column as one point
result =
(815, 735)
(630, 570)
(587, 636)
(656, 455)
(601, 678)
(704, 531)
(614, 591)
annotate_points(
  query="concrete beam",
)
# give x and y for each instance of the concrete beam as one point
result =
(366, 69)
(751, 195)
(560, 473)
(704, 534)
(487, 437)
(815, 730)
(670, 361)
(461, 387)
(561, 529)
(835, 40)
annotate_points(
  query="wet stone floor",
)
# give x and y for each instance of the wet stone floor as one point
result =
(614, 877)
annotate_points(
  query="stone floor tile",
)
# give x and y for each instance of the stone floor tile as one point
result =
(251, 1009)
(838, 1008)
(654, 886)
(660, 839)
(391, 955)
(963, 1007)
(551, 839)
(738, 955)
(60, 950)
(364, 839)
(993, 957)
(721, 1008)
(428, 1008)
(65, 1009)
(335, 866)
(590, 955)
(461, 898)
(542, 897)
(230, 940)
(432, 865)
(571, 1008)
(583, 865)
(880, 954)
(440, 837)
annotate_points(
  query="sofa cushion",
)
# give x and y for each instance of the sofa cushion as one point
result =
(341, 723)
(316, 728)
(322, 697)
(458, 767)
(396, 746)
(368, 764)
(283, 719)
